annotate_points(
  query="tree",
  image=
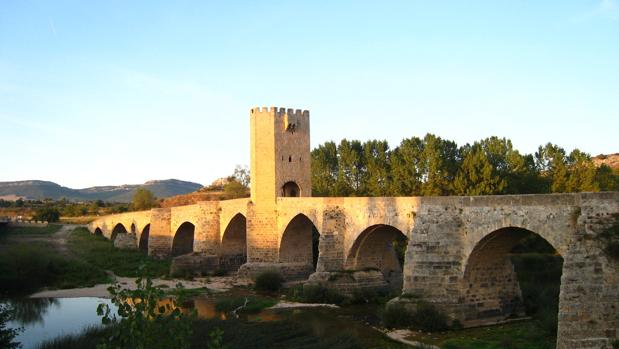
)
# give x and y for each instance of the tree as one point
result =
(351, 169)
(606, 179)
(582, 173)
(407, 168)
(440, 159)
(241, 174)
(47, 213)
(552, 164)
(143, 199)
(324, 169)
(376, 158)
(477, 175)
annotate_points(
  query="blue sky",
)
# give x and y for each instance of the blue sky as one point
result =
(113, 92)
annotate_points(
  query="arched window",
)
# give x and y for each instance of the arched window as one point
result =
(291, 189)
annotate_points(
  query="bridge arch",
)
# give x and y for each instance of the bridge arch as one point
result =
(182, 243)
(133, 230)
(119, 228)
(380, 247)
(490, 284)
(234, 243)
(299, 242)
(98, 232)
(144, 237)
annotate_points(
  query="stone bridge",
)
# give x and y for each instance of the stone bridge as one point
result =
(451, 251)
(456, 255)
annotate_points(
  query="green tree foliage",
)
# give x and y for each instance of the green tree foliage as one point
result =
(47, 213)
(434, 166)
(148, 319)
(324, 169)
(143, 199)
(7, 334)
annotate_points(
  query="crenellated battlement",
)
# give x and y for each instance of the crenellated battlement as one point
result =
(279, 111)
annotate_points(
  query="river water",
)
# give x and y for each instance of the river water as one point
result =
(46, 318)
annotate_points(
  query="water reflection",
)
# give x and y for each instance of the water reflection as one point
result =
(30, 311)
(44, 319)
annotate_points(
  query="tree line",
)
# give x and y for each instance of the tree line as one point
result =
(434, 166)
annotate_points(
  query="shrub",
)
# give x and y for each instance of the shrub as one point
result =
(428, 318)
(321, 294)
(147, 318)
(397, 317)
(269, 281)
(47, 213)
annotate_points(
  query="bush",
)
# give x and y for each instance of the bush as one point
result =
(321, 294)
(397, 317)
(47, 213)
(428, 318)
(269, 281)
(147, 318)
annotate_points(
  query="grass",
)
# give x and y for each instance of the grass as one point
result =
(101, 253)
(28, 267)
(48, 230)
(521, 335)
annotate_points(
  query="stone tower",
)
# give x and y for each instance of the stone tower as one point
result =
(280, 154)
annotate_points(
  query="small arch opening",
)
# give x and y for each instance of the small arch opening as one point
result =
(290, 159)
(291, 189)
(98, 232)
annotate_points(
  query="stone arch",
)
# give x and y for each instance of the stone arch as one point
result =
(491, 291)
(133, 230)
(98, 232)
(119, 228)
(183, 239)
(144, 237)
(299, 243)
(291, 189)
(234, 243)
(380, 247)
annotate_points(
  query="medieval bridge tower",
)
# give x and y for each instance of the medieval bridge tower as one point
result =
(280, 167)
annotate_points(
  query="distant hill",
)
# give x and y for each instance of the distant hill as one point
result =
(36, 190)
(610, 160)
